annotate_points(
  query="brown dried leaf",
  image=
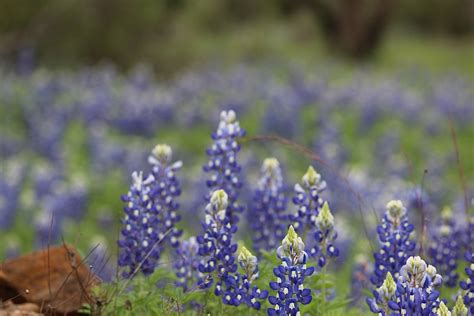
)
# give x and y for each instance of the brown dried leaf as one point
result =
(11, 309)
(56, 280)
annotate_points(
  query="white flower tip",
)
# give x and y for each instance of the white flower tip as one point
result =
(162, 153)
(395, 209)
(311, 177)
(270, 164)
(219, 198)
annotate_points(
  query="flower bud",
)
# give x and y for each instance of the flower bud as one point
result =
(247, 260)
(325, 220)
(292, 246)
(395, 210)
(270, 165)
(311, 177)
(219, 200)
(388, 287)
(443, 310)
(414, 271)
(459, 308)
(161, 154)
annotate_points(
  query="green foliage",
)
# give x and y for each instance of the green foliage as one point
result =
(157, 295)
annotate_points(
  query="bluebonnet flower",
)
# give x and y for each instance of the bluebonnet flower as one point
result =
(413, 294)
(164, 189)
(325, 236)
(308, 201)
(360, 279)
(468, 284)
(246, 293)
(416, 289)
(382, 296)
(186, 264)
(445, 248)
(218, 262)
(139, 243)
(314, 215)
(266, 215)
(396, 246)
(290, 274)
(223, 166)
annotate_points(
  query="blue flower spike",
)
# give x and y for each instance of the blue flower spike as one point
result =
(290, 274)
(396, 244)
(139, 242)
(223, 167)
(445, 248)
(269, 203)
(325, 236)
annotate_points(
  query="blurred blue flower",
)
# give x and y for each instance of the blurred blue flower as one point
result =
(266, 215)
(445, 248)
(468, 285)
(186, 264)
(12, 176)
(164, 190)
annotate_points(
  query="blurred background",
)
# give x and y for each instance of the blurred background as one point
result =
(382, 90)
(171, 36)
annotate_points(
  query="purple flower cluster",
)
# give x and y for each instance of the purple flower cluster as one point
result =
(246, 293)
(445, 248)
(291, 274)
(186, 264)
(325, 235)
(215, 245)
(468, 285)
(139, 241)
(308, 201)
(150, 214)
(266, 216)
(163, 192)
(413, 294)
(223, 167)
(360, 279)
(396, 245)
(314, 216)
(218, 262)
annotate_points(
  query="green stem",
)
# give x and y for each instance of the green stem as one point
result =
(324, 289)
(221, 306)
(324, 271)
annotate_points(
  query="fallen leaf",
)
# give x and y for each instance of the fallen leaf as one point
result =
(56, 279)
(8, 308)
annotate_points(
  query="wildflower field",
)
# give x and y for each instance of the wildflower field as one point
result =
(246, 189)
